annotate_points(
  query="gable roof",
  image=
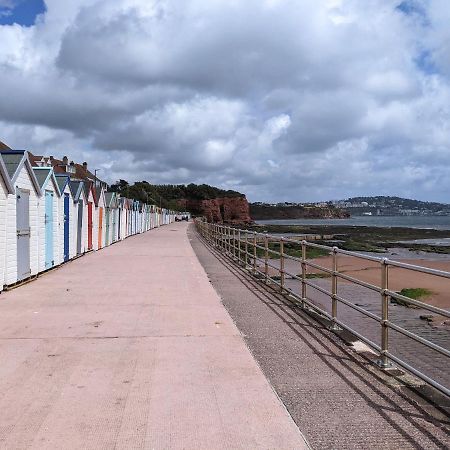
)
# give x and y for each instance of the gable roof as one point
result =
(45, 175)
(110, 199)
(77, 189)
(89, 187)
(62, 181)
(5, 175)
(98, 193)
(14, 160)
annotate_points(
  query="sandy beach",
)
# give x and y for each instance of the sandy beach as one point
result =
(399, 278)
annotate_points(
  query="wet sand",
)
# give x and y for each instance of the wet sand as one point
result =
(399, 278)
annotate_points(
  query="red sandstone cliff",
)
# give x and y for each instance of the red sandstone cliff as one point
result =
(232, 210)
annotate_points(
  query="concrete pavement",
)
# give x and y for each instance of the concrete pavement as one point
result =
(130, 347)
(337, 397)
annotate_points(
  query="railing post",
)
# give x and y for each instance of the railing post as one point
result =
(304, 274)
(246, 250)
(239, 246)
(234, 243)
(254, 252)
(282, 275)
(384, 361)
(334, 302)
(223, 238)
(226, 237)
(266, 258)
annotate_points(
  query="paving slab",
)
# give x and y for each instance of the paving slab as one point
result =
(130, 347)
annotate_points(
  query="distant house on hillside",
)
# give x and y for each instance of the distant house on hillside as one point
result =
(76, 171)
(64, 167)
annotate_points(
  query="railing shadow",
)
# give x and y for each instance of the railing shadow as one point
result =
(314, 331)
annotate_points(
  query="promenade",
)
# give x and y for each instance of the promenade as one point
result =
(132, 348)
(337, 397)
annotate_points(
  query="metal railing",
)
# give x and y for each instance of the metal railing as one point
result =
(256, 252)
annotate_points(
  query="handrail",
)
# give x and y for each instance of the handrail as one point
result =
(248, 248)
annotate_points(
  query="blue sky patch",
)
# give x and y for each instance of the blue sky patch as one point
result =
(413, 8)
(22, 12)
(425, 62)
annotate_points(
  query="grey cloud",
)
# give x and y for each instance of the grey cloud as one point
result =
(281, 99)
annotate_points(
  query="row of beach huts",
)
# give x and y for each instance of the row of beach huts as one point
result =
(48, 216)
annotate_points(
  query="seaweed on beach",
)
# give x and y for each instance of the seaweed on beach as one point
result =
(363, 238)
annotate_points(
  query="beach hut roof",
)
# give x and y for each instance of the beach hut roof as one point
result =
(14, 160)
(45, 175)
(89, 186)
(5, 175)
(62, 181)
(98, 192)
(110, 199)
(77, 189)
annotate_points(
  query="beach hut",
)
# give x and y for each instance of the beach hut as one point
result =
(48, 217)
(109, 203)
(21, 255)
(100, 214)
(153, 216)
(67, 216)
(90, 217)
(136, 216)
(126, 211)
(79, 196)
(145, 218)
(114, 219)
(121, 227)
(6, 189)
(132, 217)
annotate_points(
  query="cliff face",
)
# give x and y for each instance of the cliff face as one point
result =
(232, 210)
(266, 212)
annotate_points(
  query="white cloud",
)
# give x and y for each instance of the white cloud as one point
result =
(281, 99)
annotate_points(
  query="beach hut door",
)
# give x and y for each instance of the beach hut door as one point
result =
(113, 216)
(107, 227)
(100, 227)
(118, 224)
(80, 226)
(66, 226)
(48, 229)
(90, 225)
(23, 234)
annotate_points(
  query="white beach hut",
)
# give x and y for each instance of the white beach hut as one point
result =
(99, 237)
(6, 189)
(122, 219)
(79, 196)
(21, 255)
(67, 219)
(110, 217)
(48, 217)
(92, 223)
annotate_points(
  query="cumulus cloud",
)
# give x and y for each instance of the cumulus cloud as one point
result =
(281, 99)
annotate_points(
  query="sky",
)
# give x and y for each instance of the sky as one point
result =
(283, 100)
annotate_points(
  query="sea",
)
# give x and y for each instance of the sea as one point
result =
(424, 222)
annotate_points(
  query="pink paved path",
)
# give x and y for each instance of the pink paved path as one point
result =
(130, 347)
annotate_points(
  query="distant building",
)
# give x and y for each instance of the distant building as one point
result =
(76, 171)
